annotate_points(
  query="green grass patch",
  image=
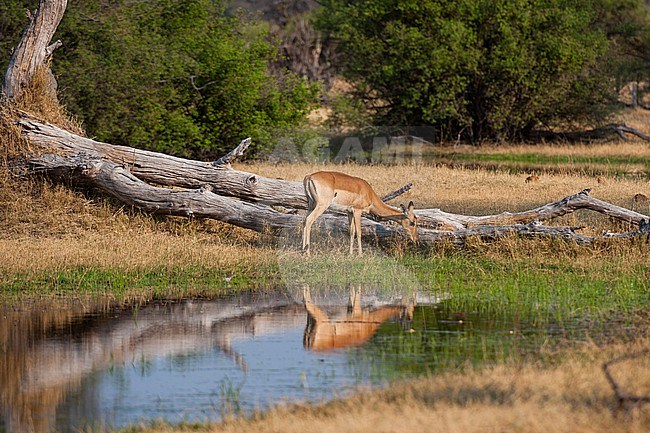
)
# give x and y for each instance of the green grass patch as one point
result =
(158, 283)
(616, 165)
(539, 290)
(536, 290)
(536, 158)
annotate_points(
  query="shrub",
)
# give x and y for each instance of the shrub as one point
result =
(481, 68)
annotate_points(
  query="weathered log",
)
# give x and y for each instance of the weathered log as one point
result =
(34, 47)
(120, 183)
(168, 170)
(567, 205)
(117, 181)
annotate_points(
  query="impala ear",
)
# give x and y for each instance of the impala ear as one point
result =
(410, 212)
(401, 206)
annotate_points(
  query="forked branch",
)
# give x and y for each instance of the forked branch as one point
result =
(233, 154)
(567, 205)
(625, 399)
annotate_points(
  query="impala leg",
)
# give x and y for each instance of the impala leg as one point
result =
(309, 220)
(306, 295)
(352, 225)
(306, 234)
(357, 223)
(315, 318)
(355, 303)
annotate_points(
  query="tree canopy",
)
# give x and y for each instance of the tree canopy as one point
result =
(483, 69)
(187, 78)
(192, 78)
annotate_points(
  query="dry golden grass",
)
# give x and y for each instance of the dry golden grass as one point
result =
(568, 395)
(11, 142)
(48, 227)
(126, 250)
(51, 227)
(39, 101)
(467, 191)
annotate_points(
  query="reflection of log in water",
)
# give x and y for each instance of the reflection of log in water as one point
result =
(49, 357)
(47, 353)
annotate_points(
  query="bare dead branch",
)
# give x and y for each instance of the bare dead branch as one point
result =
(567, 205)
(233, 154)
(625, 400)
(33, 47)
(397, 192)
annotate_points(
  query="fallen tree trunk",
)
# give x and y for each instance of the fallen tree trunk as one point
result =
(116, 180)
(168, 170)
(567, 205)
(120, 183)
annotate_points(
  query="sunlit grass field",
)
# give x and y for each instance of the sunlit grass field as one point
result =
(472, 191)
(58, 243)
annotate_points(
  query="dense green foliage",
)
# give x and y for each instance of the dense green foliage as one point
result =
(625, 22)
(186, 78)
(191, 78)
(480, 68)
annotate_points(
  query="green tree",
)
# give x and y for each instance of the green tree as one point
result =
(486, 69)
(187, 77)
(12, 22)
(627, 26)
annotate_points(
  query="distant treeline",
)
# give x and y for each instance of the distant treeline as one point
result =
(193, 78)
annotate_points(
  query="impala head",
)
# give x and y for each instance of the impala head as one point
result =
(410, 221)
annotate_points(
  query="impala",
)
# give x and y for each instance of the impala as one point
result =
(326, 187)
(328, 332)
